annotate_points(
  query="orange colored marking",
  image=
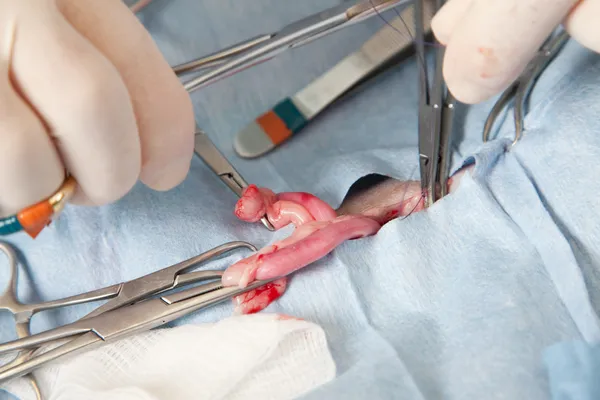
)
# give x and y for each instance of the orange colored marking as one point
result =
(274, 127)
(35, 218)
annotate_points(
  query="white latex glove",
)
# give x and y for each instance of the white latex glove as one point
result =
(83, 86)
(490, 42)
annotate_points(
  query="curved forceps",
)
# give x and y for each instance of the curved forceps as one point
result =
(221, 167)
(263, 47)
(121, 295)
(522, 87)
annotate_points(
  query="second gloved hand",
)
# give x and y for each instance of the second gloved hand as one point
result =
(490, 42)
(84, 87)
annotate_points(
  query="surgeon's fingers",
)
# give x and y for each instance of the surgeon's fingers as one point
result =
(27, 153)
(583, 24)
(494, 41)
(446, 19)
(163, 108)
(81, 98)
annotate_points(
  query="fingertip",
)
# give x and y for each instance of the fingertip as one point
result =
(84, 104)
(493, 44)
(440, 31)
(181, 112)
(467, 92)
(167, 155)
(444, 21)
(163, 109)
(167, 177)
(465, 75)
(582, 26)
(469, 71)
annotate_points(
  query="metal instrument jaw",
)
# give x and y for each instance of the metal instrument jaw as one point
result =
(220, 57)
(261, 48)
(521, 88)
(217, 162)
(436, 109)
(168, 278)
(118, 324)
(137, 305)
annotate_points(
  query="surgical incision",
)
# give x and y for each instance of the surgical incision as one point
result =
(371, 202)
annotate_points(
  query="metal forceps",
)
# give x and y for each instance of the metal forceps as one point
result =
(217, 162)
(261, 48)
(436, 110)
(264, 47)
(130, 310)
(521, 88)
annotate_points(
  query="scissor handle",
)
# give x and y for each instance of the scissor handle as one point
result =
(24, 312)
(8, 298)
(9, 302)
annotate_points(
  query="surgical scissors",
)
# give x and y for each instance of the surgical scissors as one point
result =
(521, 88)
(266, 46)
(130, 310)
(436, 111)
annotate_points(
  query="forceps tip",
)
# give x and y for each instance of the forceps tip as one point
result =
(236, 245)
(267, 224)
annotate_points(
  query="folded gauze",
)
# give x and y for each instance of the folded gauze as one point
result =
(262, 356)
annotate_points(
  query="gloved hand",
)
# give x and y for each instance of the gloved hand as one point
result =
(490, 42)
(84, 87)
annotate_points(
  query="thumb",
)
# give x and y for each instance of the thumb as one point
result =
(494, 42)
(582, 24)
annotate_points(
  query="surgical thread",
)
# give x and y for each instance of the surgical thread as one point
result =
(420, 60)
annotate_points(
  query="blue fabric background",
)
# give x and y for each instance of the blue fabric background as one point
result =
(459, 302)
